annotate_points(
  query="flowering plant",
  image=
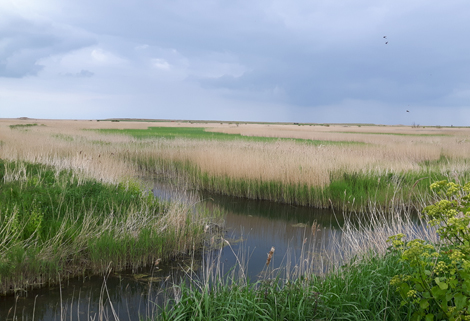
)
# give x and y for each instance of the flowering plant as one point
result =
(439, 284)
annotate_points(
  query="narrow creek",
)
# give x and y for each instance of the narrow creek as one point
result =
(249, 230)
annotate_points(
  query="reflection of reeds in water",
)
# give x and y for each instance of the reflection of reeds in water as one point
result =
(326, 249)
(359, 236)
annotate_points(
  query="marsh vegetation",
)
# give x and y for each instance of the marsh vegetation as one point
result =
(313, 166)
(56, 224)
(354, 168)
(72, 201)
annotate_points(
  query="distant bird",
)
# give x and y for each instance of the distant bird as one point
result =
(386, 43)
(385, 37)
(407, 111)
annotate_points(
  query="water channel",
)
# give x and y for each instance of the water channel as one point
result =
(249, 230)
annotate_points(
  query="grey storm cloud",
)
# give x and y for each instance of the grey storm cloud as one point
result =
(317, 65)
(296, 56)
(25, 42)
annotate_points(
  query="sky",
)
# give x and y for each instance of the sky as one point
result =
(318, 61)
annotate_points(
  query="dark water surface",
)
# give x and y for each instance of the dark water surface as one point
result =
(249, 230)
(263, 225)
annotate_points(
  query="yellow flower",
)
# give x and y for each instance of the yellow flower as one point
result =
(412, 294)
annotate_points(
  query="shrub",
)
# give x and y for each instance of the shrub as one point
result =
(439, 284)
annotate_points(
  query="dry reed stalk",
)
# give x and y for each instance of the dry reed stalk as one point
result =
(329, 249)
(270, 256)
(39, 145)
(315, 228)
(368, 134)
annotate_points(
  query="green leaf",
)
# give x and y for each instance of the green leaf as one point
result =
(442, 285)
(429, 317)
(437, 292)
(403, 289)
(453, 283)
(460, 301)
(427, 272)
(424, 304)
(417, 315)
(466, 284)
(449, 296)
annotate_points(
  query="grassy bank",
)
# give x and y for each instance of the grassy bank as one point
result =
(357, 191)
(57, 223)
(359, 291)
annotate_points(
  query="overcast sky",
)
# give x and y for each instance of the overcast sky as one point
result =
(241, 60)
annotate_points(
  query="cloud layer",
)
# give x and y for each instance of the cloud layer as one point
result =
(307, 61)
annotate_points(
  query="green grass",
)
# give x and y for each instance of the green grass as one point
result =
(201, 133)
(22, 126)
(55, 224)
(406, 188)
(358, 291)
(443, 160)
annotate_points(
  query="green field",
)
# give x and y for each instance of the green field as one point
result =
(201, 133)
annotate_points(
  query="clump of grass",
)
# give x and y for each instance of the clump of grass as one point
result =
(359, 290)
(55, 224)
(22, 126)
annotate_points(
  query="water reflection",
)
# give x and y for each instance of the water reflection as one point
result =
(292, 231)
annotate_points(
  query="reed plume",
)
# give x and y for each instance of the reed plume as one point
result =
(270, 255)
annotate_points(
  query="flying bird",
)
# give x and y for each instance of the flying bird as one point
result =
(386, 43)
(407, 111)
(385, 37)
